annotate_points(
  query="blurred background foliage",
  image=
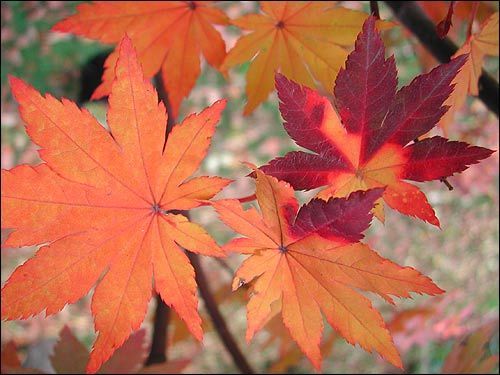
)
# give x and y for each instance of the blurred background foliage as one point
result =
(462, 257)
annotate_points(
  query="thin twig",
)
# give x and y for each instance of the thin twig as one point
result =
(415, 20)
(226, 267)
(217, 318)
(374, 9)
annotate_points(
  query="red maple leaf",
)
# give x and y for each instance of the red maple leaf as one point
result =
(369, 145)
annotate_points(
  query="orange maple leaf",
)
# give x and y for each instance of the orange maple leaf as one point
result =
(169, 36)
(306, 41)
(477, 46)
(102, 203)
(309, 260)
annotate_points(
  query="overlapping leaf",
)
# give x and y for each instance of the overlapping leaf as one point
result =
(101, 204)
(368, 144)
(477, 46)
(11, 363)
(169, 36)
(469, 355)
(70, 356)
(306, 41)
(307, 261)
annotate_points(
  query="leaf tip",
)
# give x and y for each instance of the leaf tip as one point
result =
(16, 85)
(237, 283)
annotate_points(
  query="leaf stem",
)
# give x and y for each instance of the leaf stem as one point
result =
(226, 267)
(248, 198)
(475, 6)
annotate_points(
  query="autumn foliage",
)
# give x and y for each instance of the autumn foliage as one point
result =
(102, 200)
(369, 143)
(109, 207)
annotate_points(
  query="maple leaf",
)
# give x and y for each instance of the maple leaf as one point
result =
(306, 41)
(462, 10)
(477, 46)
(9, 357)
(102, 204)
(169, 36)
(308, 260)
(289, 354)
(468, 356)
(369, 147)
(10, 362)
(70, 356)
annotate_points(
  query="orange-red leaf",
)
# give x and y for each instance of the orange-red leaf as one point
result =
(309, 262)
(99, 205)
(306, 41)
(169, 36)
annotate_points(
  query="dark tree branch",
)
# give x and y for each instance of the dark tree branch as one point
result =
(217, 318)
(158, 352)
(415, 20)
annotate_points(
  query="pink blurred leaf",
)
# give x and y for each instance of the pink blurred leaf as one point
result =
(468, 356)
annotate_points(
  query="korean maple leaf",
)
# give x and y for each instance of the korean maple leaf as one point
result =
(306, 41)
(309, 260)
(169, 36)
(101, 203)
(368, 146)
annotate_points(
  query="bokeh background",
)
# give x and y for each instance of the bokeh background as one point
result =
(461, 258)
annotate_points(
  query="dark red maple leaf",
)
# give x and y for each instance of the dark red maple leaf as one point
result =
(369, 144)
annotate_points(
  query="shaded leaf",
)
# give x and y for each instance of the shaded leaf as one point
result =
(306, 265)
(468, 356)
(306, 41)
(169, 37)
(477, 46)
